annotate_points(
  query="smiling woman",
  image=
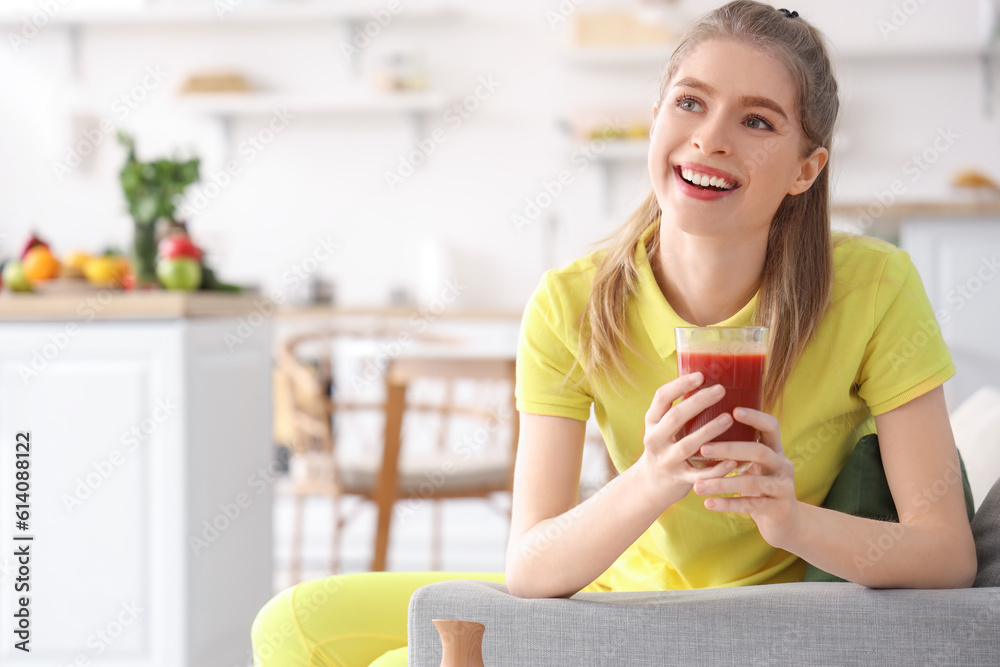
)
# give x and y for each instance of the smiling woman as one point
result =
(735, 232)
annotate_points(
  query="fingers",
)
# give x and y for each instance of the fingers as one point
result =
(668, 393)
(770, 433)
(747, 485)
(663, 433)
(752, 452)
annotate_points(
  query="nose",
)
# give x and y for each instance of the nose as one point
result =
(711, 136)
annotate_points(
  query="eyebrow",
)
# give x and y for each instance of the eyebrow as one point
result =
(745, 100)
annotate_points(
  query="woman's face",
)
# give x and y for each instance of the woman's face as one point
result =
(726, 144)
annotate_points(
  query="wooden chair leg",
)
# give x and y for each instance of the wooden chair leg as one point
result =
(436, 537)
(335, 541)
(295, 560)
(388, 482)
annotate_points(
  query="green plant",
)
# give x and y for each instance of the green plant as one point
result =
(152, 190)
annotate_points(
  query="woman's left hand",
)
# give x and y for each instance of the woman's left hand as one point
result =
(767, 488)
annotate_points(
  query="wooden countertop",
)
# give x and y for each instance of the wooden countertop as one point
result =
(900, 210)
(85, 304)
(95, 304)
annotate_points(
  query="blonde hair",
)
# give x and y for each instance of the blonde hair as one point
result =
(798, 267)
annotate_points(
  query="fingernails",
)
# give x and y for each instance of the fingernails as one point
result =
(718, 389)
(724, 418)
(699, 487)
(697, 378)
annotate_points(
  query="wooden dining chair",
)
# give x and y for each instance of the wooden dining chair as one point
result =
(420, 402)
(457, 471)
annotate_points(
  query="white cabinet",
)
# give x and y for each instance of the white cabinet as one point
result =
(960, 266)
(150, 490)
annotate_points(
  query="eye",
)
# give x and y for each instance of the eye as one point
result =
(688, 104)
(758, 123)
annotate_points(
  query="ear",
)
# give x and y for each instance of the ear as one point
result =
(809, 171)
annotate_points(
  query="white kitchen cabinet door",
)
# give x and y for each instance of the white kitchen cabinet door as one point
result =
(960, 266)
(140, 432)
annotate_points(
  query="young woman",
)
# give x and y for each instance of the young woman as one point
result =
(735, 232)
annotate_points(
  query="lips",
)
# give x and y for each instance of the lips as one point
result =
(705, 183)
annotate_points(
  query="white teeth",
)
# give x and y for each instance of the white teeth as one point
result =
(705, 180)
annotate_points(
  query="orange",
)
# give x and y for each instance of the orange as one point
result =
(40, 264)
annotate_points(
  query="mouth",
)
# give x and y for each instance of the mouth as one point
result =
(705, 178)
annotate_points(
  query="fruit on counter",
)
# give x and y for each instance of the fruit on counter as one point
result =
(178, 245)
(106, 270)
(32, 242)
(14, 277)
(73, 263)
(39, 264)
(182, 273)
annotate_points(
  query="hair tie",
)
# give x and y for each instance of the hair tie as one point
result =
(791, 15)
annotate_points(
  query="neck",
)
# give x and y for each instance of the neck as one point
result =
(708, 280)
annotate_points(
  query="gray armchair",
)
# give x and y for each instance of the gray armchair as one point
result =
(781, 624)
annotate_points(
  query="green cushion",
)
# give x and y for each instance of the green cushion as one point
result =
(861, 489)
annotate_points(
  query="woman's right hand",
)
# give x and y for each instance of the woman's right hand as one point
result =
(666, 473)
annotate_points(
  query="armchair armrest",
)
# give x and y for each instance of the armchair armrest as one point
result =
(797, 623)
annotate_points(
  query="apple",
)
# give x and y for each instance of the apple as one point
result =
(178, 245)
(14, 276)
(182, 273)
(33, 241)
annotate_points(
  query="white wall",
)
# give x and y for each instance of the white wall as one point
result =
(324, 174)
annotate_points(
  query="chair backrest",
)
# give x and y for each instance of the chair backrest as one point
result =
(306, 372)
(401, 376)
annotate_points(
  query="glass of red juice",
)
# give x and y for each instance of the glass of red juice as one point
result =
(734, 357)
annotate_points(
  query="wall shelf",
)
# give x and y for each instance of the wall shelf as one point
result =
(291, 12)
(624, 150)
(231, 105)
(619, 56)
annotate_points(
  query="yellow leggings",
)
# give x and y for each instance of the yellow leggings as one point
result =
(350, 620)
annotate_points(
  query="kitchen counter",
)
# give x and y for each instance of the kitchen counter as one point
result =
(93, 304)
(152, 472)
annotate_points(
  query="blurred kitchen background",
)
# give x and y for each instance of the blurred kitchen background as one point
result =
(411, 166)
(502, 97)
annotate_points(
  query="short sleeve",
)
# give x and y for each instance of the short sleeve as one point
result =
(906, 356)
(549, 381)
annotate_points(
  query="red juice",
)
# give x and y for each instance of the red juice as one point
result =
(743, 377)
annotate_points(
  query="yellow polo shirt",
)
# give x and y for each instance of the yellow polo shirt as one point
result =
(877, 347)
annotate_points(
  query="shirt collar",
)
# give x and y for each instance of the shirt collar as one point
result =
(657, 316)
